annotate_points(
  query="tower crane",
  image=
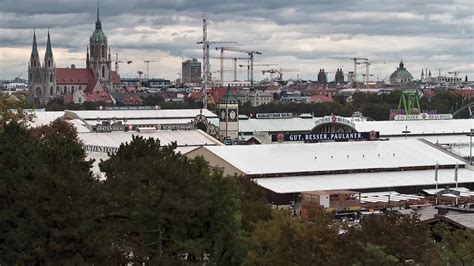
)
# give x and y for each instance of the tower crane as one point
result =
(357, 61)
(271, 71)
(148, 67)
(367, 65)
(254, 65)
(234, 59)
(117, 62)
(250, 53)
(205, 62)
(279, 72)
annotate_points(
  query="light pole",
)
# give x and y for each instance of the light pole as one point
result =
(456, 180)
(436, 180)
(470, 145)
(406, 131)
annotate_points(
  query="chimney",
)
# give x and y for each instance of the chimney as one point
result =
(442, 210)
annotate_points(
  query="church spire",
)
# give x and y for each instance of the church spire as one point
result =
(34, 50)
(49, 51)
(98, 24)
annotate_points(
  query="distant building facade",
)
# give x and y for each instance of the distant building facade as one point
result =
(191, 70)
(254, 97)
(47, 82)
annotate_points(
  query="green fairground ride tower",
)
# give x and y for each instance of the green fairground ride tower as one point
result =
(409, 103)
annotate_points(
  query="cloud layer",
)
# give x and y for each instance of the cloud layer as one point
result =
(302, 34)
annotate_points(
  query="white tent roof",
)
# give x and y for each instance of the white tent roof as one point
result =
(363, 180)
(115, 138)
(42, 118)
(276, 125)
(387, 128)
(137, 114)
(317, 157)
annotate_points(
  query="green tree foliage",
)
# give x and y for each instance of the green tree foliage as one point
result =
(285, 240)
(253, 205)
(47, 197)
(12, 109)
(371, 105)
(58, 104)
(400, 236)
(457, 245)
(168, 206)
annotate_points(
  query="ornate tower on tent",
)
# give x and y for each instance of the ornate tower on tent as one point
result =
(99, 59)
(228, 111)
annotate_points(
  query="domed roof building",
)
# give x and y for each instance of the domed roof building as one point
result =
(401, 75)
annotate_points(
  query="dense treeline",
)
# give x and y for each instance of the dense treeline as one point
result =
(151, 100)
(159, 207)
(371, 105)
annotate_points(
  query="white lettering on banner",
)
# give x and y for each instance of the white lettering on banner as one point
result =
(273, 115)
(100, 149)
(101, 128)
(423, 116)
(189, 126)
(334, 119)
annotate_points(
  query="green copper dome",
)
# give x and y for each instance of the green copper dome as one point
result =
(401, 75)
(98, 36)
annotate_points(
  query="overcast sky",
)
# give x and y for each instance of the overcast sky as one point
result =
(300, 34)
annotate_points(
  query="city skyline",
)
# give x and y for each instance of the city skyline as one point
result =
(298, 35)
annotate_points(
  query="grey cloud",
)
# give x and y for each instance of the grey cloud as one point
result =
(173, 26)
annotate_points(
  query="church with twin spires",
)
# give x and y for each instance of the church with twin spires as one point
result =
(92, 83)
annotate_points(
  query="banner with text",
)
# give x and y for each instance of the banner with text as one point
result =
(316, 137)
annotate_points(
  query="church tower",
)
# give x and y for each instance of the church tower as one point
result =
(228, 111)
(35, 77)
(99, 60)
(49, 72)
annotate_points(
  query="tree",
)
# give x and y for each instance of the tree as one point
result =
(457, 245)
(285, 240)
(400, 236)
(12, 109)
(168, 208)
(47, 198)
(253, 206)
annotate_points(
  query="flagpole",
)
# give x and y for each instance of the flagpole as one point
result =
(436, 179)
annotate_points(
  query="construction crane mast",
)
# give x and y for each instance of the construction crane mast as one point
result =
(357, 61)
(251, 56)
(279, 71)
(117, 62)
(205, 59)
(367, 65)
(255, 65)
(147, 68)
(234, 59)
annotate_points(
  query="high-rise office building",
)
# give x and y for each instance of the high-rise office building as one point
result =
(191, 70)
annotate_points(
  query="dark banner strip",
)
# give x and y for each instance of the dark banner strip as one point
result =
(316, 137)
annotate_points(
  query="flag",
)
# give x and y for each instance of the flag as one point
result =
(436, 172)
